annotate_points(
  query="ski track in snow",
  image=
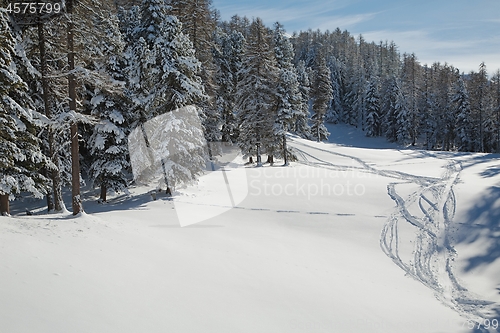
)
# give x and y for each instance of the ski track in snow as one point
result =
(433, 256)
(271, 210)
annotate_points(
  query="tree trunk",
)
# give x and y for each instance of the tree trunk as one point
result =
(210, 155)
(103, 193)
(75, 154)
(259, 158)
(318, 123)
(270, 159)
(56, 177)
(52, 202)
(4, 204)
(285, 154)
(75, 171)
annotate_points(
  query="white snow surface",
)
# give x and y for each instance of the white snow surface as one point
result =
(340, 241)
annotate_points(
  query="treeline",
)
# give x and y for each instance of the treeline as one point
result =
(393, 95)
(73, 85)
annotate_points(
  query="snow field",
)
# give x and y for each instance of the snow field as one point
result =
(302, 260)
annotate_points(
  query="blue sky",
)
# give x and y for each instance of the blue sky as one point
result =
(463, 33)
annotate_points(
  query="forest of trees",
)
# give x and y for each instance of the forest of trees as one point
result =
(75, 82)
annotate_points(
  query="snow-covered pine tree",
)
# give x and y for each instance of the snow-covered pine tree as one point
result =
(256, 93)
(489, 120)
(391, 91)
(477, 86)
(321, 93)
(335, 110)
(449, 118)
(239, 24)
(76, 200)
(301, 125)
(410, 77)
(438, 120)
(129, 20)
(289, 99)
(228, 52)
(428, 121)
(21, 158)
(26, 61)
(403, 119)
(480, 84)
(169, 149)
(164, 70)
(108, 141)
(495, 84)
(489, 131)
(198, 23)
(372, 104)
(45, 47)
(349, 100)
(43, 98)
(359, 96)
(163, 75)
(357, 86)
(353, 76)
(76, 34)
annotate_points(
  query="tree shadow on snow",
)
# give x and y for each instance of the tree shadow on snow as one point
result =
(476, 159)
(27, 204)
(490, 172)
(482, 221)
(350, 136)
(122, 202)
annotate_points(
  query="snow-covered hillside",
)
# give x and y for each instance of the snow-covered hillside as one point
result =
(351, 238)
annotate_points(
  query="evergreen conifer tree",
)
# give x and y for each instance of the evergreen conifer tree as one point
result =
(301, 125)
(163, 75)
(108, 141)
(372, 102)
(495, 84)
(289, 98)
(410, 77)
(198, 23)
(321, 93)
(403, 119)
(256, 93)
(20, 155)
(335, 109)
(228, 52)
(164, 70)
(393, 92)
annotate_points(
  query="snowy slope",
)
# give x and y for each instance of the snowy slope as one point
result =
(348, 239)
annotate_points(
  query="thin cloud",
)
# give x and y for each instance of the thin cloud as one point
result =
(295, 18)
(418, 39)
(344, 22)
(429, 49)
(287, 13)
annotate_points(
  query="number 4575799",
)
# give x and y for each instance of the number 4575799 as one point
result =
(486, 323)
(33, 8)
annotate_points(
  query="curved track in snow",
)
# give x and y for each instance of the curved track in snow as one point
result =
(433, 255)
(431, 262)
